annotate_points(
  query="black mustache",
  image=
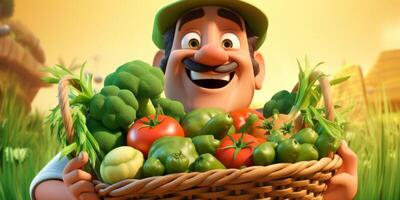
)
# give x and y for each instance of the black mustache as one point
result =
(198, 67)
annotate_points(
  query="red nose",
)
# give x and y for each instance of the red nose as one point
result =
(211, 55)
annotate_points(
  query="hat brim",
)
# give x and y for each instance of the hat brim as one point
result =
(168, 16)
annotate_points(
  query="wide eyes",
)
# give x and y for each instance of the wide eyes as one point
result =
(230, 41)
(191, 40)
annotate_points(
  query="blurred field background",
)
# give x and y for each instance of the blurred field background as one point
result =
(107, 34)
(349, 36)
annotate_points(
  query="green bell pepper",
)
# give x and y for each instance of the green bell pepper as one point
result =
(207, 162)
(207, 121)
(172, 152)
(205, 144)
(176, 163)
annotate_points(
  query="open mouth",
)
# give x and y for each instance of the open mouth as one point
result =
(210, 81)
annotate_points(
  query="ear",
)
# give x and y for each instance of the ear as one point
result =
(259, 78)
(158, 57)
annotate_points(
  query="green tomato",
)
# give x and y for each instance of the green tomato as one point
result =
(121, 163)
(264, 154)
(326, 144)
(153, 167)
(307, 152)
(276, 136)
(306, 135)
(287, 150)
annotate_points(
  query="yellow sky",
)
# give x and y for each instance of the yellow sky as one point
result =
(108, 33)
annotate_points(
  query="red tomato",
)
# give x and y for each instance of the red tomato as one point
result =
(240, 116)
(261, 139)
(243, 144)
(257, 130)
(147, 130)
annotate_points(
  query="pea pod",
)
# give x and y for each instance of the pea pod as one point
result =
(153, 167)
(206, 162)
(205, 144)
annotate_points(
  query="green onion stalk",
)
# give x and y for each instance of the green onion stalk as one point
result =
(81, 92)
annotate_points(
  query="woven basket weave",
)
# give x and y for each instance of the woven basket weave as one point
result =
(301, 180)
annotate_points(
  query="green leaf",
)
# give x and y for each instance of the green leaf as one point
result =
(50, 80)
(69, 149)
(339, 80)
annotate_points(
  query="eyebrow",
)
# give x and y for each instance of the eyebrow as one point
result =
(191, 15)
(227, 14)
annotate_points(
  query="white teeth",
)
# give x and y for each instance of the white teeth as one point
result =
(200, 76)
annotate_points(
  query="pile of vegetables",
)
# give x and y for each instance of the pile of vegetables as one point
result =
(135, 133)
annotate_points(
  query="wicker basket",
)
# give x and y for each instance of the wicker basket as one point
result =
(301, 180)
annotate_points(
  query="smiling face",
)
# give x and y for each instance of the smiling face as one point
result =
(210, 64)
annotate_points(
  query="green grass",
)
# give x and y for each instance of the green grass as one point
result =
(376, 141)
(21, 132)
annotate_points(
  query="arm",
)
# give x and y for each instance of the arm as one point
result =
(345, 182)
(72, 183)
(52, 189)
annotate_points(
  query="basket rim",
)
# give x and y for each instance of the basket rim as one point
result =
(219, 177)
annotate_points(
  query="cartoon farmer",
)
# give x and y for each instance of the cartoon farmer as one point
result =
(208, 52)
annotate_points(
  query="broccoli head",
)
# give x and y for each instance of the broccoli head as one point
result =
(171, 108)
(108, 139)
(143, 80)
(114, 107)
(280, 103)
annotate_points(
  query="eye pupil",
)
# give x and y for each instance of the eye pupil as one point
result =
(193, 43)
(227, 43)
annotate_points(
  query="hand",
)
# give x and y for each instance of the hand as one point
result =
(78, 181)
(345, 182)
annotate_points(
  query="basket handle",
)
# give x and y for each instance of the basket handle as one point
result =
(326, 93)
(63, 102)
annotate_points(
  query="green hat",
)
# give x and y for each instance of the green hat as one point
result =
(168, 15)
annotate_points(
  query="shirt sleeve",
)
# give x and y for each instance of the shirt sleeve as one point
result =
(53, 170)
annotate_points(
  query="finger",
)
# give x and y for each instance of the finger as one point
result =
(349, 159)
(75, 176)
(76, 163)
(342, 186)
(89, 196)
(81, 187)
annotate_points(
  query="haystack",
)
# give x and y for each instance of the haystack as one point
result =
(351, 94)
(21, 58)
(385, 74)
